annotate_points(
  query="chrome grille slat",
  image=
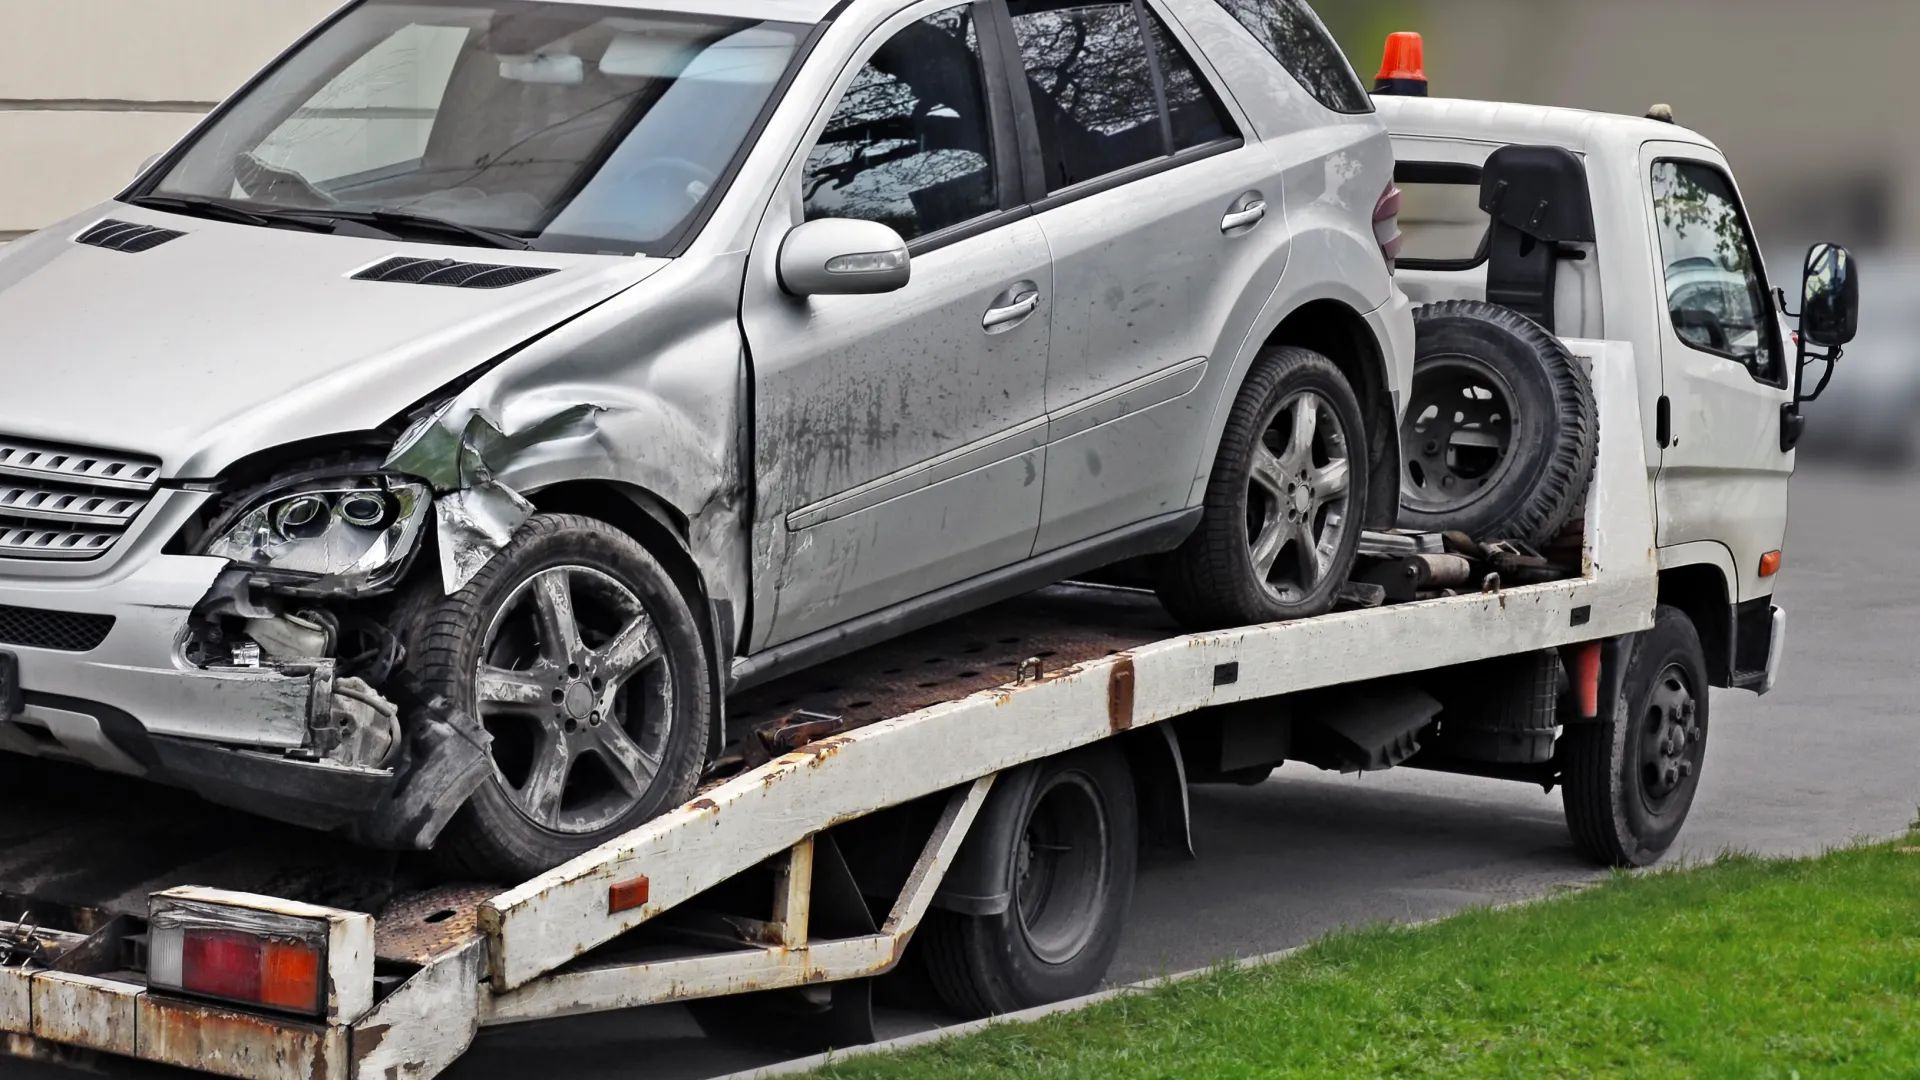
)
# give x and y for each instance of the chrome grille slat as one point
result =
(61, 502)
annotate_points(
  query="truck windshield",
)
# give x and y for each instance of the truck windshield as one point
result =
(571, 126)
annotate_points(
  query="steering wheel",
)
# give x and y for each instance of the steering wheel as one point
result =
(1704, 320)
(260, 179)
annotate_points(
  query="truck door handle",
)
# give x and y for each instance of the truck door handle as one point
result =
(1011, 308)
(1246, 217)
(1663, 422)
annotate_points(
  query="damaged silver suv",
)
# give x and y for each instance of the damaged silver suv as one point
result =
(427, 445)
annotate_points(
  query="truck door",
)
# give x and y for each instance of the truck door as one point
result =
(1722, 475)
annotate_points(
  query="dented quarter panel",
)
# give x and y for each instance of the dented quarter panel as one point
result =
(645, 391)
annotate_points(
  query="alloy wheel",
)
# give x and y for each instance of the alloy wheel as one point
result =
(1299, 490)
(573, 686)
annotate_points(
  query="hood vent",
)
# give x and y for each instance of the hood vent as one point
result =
(126, 236)
(448, 272)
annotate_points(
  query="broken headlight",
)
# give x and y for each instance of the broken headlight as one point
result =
(331, 536)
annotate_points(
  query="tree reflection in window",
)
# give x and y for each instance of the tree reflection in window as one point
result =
(1297, 38)
(1092, 88)
(1715, 291)
(910, 145)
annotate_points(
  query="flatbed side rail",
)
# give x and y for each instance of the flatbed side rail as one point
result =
(555, 918)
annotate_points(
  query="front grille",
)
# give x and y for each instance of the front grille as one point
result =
(63, 631)
(454, 274)
(63, 503)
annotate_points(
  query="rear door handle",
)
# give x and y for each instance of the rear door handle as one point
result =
(1245, 218)
(1010, 311)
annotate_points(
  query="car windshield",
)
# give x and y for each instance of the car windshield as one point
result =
(573, 126)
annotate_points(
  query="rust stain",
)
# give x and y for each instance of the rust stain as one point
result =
(366, 1040)
(1120, 694)
(703, 804)
(190, 1035)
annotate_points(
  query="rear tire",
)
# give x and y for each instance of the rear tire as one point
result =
(1069, 862)
(1284, 509)
(1629, 782)
(583, 660)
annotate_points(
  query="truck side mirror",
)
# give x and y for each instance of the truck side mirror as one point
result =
(1830, 308)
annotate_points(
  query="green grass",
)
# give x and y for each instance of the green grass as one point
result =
(1743, 968)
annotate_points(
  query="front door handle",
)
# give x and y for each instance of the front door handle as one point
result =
(1244, 218)
(1011, 308)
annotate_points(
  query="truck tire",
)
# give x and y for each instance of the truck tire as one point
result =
(1501, 435)
(576, 651)
(1285, 507)
(1628, 782)
(1068, 859)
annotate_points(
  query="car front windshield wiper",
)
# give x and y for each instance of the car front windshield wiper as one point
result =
(400, 220)
(217, 210)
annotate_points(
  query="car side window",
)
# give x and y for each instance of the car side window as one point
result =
(1299, 40)
(1097, 78)
(1716, 293)
(911, 143)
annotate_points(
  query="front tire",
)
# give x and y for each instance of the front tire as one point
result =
(1068, 862)
(1629, 781)
(1283, 511)
(583, 660)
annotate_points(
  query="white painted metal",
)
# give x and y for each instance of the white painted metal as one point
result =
(16, 1002)
(79, 1010)
(426, 1025)
(621, 986)
(555, 917)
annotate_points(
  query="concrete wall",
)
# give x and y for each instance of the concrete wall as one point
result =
(90, 88)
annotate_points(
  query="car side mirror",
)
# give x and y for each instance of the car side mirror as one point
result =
(152, 160)
(843, 257)
(1830, 305)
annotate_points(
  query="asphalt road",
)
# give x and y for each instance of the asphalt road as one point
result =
(1830, 756)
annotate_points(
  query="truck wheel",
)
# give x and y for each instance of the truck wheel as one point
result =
(1630, 781)
(1285, 507)
(582, 659)
(1500, 436)
(1067, 854)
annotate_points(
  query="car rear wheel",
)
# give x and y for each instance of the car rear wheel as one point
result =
(1284, 508)
(583, 661)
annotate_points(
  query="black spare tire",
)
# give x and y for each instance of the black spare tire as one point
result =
(1500, 435)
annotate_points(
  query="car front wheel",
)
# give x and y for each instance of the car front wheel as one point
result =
(582, 659)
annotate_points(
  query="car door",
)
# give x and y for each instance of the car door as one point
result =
(1725, 372)
(900, 438)
(1163, 221)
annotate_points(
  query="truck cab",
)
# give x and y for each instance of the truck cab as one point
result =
(1657, 251)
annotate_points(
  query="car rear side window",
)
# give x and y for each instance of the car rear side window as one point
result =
(1098, 78)
(911, 143)
(1299, 40)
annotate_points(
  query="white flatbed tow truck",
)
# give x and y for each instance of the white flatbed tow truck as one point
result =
(404, 994)
(915, 783)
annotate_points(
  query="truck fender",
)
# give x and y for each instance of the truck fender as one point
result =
(980, 881)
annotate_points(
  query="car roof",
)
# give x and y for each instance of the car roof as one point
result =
(1503, 122)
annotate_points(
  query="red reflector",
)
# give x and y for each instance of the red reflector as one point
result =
(220, 963)
(627, 895)
(1770, 564)
(290, 977)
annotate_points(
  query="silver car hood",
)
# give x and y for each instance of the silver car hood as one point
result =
(234, 339)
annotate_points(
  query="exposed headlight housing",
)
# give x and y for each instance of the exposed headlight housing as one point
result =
(332, 536)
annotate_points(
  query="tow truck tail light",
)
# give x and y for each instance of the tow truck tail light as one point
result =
(1403, 71)
(1386, 225)
(238, 955)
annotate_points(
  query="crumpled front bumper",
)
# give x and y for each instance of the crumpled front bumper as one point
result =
(134, 705)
